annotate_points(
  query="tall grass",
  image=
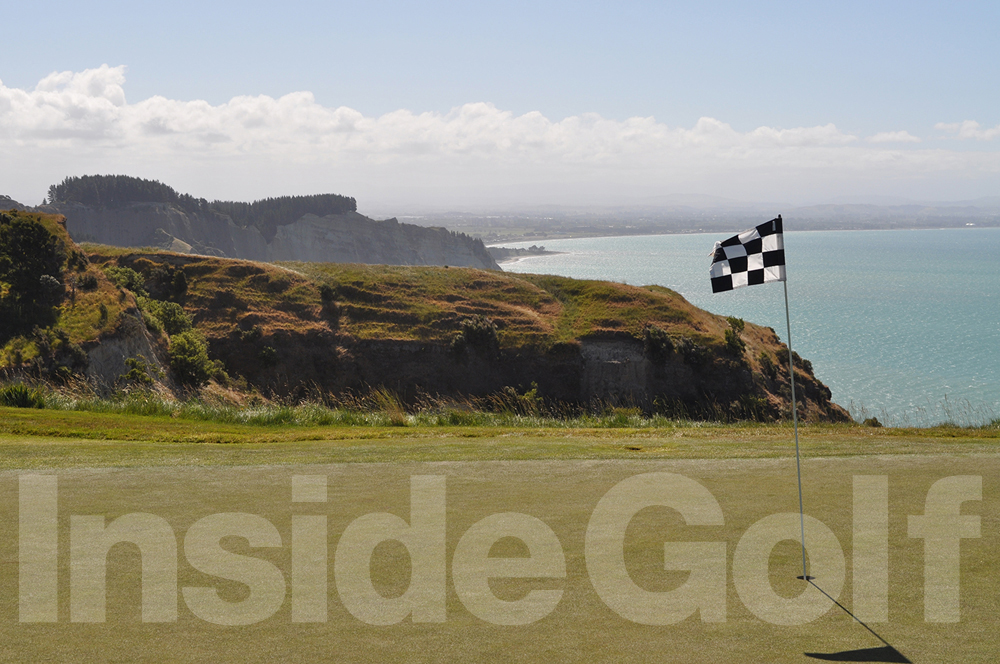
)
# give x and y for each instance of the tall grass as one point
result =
(947, 412)
(377, 408)
(508, 408)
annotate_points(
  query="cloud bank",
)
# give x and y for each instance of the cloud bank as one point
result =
(475, 155)
(970, 129)
(893, 137)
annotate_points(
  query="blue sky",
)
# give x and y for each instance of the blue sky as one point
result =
(896, 81)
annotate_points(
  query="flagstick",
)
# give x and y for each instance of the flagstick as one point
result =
(795, 423)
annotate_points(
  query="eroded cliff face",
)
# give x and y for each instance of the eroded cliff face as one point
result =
(343, 238)
(354, 238)
(597, 372)
(131, 340)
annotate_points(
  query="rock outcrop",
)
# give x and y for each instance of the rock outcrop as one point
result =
(341, 238)
(130, 340)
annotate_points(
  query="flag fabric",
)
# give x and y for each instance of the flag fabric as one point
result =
(756, 256)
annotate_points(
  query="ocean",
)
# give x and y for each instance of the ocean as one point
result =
(902, 325)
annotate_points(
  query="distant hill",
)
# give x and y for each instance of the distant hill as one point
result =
(8, 203)
(686, 214)
(110, 191)
(120, 210)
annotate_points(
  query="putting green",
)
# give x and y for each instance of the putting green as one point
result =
(183, 484)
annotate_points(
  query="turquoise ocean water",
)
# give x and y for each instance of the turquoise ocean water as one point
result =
(902, 325)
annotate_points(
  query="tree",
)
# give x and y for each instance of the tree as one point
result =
(28, 253)
(189, 358)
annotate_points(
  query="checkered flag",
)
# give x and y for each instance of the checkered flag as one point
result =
(756, 256)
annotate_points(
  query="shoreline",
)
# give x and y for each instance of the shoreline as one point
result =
(701, 231)
(515, 259)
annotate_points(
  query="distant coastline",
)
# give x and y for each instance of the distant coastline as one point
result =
(514, 254)
(555, 223)
(613, 232)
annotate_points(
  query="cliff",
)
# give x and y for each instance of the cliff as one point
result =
(347, 237)
(126, 319)
(299, 329)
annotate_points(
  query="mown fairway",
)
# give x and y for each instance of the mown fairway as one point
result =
(183, 471)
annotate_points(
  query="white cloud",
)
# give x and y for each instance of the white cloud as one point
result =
(87, 105)
(249, 147)
(893, 137)
(969, 129)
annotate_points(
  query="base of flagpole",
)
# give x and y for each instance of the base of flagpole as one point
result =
(805, 578)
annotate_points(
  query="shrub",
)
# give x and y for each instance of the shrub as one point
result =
(179, 283)
(170, 315)
(50, 287)
(478, 332)
(268, 356)
(694, 354)
(140, 371)
(153, 323)
(88, 282)
(70, 358)
(219, 373)
(327, 292)
(805, 365)
(19, 395)
(15, 352)
(78, 261)
(126, 277)
(767, 366)
(734, 343)
(253, 334)
(657, 344)
(162, 275)
(189, 358)
(175, 320)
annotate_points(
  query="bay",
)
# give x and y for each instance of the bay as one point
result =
(903, 325)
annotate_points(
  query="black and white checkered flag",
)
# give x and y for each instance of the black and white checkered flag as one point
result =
(756, 256)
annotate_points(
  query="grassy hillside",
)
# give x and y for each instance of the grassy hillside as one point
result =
(389, 302)
(336, 327)
(426, 303)
(416, 302)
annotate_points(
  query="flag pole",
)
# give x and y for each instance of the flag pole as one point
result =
(795, 424)
(731, 269)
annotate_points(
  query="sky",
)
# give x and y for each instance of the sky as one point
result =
(442, 106)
